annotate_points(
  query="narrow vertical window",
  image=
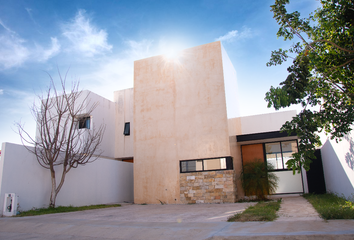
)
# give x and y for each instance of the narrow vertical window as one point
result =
(127, 129)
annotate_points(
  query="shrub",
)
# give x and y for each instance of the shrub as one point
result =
(257, 179)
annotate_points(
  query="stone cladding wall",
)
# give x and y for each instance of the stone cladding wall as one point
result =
(208, 187)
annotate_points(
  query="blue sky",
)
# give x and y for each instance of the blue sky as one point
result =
(99, 41)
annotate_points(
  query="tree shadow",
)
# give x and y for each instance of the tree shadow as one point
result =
(349, 156)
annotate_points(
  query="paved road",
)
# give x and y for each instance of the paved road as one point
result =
(201, 221)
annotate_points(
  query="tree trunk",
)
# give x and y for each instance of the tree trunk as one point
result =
(53, 194)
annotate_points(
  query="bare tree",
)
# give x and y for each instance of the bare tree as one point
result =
(65, 136)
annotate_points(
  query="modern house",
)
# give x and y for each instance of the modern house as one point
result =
(186, 138)
(180, 131)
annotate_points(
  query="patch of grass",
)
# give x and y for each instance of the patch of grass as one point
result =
(262, 211)
(62, 209)
(331, 206)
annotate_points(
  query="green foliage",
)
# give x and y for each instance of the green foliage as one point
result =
(262, 211)
(321, 76)
(331, 206)
(61, 209)
(258, 180)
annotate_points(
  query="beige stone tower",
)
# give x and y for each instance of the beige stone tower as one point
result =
(180, 113)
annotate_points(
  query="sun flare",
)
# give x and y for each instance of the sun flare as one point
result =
(172, 52)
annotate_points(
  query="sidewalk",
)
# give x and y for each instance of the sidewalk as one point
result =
(194, 222)
(296, 208)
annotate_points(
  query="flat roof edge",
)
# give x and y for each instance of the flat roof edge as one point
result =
(263, 135)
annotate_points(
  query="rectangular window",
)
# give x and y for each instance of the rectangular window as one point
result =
(213, 164)
(192, 166)
(84, 122)
(126, 129)
(279, 153)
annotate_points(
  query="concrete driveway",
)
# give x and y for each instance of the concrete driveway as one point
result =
(176, 213)
(198, 221)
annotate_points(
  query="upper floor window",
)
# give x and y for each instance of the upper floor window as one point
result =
(84, 122)
(126, 129)
(279, 153)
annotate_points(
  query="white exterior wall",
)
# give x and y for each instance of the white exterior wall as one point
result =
(103, 181)
(104, 113)
(265, 122)
(288, 182)
(338, 166)
(124, 100)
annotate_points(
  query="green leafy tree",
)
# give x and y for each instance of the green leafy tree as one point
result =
(257, 179)
(321, 75)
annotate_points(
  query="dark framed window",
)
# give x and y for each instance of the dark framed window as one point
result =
(278, 153)
(126, 129)
(211, 164)
(84, 122)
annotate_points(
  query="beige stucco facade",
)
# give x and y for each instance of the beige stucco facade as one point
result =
(179, 114)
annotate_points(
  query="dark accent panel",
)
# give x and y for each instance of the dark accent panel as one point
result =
(229, 163)
(126, 129)
(264, 135)
(315, 176)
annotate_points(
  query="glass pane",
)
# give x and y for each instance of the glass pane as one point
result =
(275, 160)
(288, 149)
(273, 155)
(84, 122)
(127, 129)
(199, 165)
(290, 146)
(272, 147)
(192, 166)
(88, 123)
(214, 164)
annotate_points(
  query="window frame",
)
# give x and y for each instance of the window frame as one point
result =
(281, 153)
(228, 161)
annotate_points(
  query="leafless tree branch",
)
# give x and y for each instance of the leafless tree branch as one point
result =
(59, 140)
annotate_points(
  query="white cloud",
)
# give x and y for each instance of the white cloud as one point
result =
(1, 91)
(234, 34)
(14, 51)
(228, 36)
(45, 54)
(29, 11)
(116, 71)
(84, 36)
(140, 49)
(246, 33)
(6, 28)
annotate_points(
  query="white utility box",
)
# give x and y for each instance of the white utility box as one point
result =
(10, 204)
